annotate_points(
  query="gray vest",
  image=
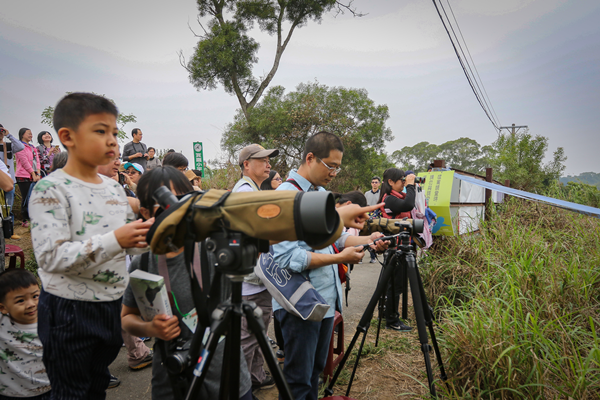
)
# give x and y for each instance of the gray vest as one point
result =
(252, 279)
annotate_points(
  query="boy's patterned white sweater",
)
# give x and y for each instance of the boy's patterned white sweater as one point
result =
(72, 229)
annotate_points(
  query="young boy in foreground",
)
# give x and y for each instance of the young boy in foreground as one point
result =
(81, 226)
(23, 373)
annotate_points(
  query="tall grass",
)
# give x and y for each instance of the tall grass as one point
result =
(520, 305)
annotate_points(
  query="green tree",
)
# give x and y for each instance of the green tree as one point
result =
(286, 121)
(122, 119)
(464, 154)
(519, 157)
(226, 53)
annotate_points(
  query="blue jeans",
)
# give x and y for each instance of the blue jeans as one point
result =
(306, 350)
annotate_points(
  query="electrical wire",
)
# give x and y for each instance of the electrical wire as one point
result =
(474, 66)
(470, 79)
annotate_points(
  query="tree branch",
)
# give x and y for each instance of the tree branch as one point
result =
(182, 61)
(341, 8)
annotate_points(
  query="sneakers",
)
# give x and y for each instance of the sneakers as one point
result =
(399, 326)
(114, 382)
(144, 363)
(280, 356)
(268, 383)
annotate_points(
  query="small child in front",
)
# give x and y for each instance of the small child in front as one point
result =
(22, 370)
(81, 225)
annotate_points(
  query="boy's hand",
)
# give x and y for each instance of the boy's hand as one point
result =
(351, 255)
(165, 327)
(133, 234)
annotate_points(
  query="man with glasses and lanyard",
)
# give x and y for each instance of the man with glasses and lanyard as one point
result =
(307, 342)
(254, 160)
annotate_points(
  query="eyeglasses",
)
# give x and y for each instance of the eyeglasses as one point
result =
(278, 179)
(132, 172)
(332, 170)
(182, 169)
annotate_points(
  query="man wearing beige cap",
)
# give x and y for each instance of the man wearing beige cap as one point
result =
(254, 160)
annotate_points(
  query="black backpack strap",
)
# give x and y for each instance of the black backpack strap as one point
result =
(293, 182)
(144, 261)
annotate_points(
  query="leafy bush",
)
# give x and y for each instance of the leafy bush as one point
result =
(520, 304)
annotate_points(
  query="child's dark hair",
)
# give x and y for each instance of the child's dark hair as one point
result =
(22, 132)
(391, 173)
(176, 160)
(13, 279)
(354, 197)
(42, 133)
(157, 177)
(72, 109)
(266, 185)
(151, 148)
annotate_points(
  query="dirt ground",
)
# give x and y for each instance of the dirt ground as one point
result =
(393, 370)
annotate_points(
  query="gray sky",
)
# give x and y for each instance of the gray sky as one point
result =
(539, 61)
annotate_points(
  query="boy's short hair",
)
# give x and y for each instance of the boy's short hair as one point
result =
(321, 144)
(376, 177)
(13, 279)
(134, 131)
(151, 148)
(72, 109)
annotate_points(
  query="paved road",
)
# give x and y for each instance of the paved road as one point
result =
(136, 384)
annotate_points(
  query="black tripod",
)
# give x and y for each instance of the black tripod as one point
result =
(403, 255)
(236, 255)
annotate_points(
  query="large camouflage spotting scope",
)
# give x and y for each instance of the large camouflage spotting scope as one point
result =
(273, 215)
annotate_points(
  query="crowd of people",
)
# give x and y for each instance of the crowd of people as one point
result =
(89, 216)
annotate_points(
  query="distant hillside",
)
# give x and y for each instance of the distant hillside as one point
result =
(591, 178)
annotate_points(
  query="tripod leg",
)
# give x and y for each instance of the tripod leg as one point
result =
(429, 321)
(255, 323)
(365, 320)
(419, 316)
(404, 279)
(218, 328)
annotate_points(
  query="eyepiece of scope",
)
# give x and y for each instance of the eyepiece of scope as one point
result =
(164, 197)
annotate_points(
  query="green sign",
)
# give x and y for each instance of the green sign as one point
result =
(437, 189)
(199, 157)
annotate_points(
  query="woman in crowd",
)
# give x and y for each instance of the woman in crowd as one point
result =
(46, 151)
(28, 171)
(397, 205)
(153, 161)
(272, 182)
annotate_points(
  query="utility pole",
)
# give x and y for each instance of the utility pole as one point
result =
(513, 127)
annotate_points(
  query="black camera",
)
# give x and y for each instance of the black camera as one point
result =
(178, 359)
(419, 179)
(121, 178)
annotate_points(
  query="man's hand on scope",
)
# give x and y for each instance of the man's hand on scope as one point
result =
(354, 216)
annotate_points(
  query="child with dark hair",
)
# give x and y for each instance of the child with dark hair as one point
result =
(176, 160)
(23, 371)
(82, 228)
(179, 325)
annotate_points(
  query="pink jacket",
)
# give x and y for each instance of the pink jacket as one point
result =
(25, 159)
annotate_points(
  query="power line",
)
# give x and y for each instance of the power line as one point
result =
(480, 98)
(474, 66)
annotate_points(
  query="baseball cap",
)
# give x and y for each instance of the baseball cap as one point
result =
(137, 167)
(255, 151)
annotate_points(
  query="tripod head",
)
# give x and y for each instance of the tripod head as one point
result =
(236, 253)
